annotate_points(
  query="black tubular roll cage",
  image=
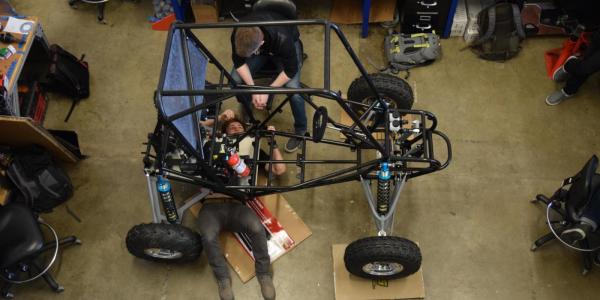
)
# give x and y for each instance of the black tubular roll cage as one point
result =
(358, 136)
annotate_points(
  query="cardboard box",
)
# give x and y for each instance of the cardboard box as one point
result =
(279, 241)
(350, 11)
(235, 254)
(350, 287)
(205, 13)
(460, 19)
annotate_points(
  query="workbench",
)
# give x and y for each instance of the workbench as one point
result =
(12, 66)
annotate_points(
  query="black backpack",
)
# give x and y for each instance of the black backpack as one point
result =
(68, 75)
(41, 183)
(500, 31)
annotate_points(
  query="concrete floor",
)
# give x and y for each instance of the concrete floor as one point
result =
(473, 221)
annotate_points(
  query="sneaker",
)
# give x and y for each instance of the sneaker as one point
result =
(266, 286)
(561, 74)
(557, 97)
(225, 290)
(576, 233)
(293, 144)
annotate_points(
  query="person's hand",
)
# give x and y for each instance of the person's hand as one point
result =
(260, 101)
(271, 128)
(227, 115)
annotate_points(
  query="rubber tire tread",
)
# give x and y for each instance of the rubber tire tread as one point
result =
(382, 248)
(165, 236)
(387, 85)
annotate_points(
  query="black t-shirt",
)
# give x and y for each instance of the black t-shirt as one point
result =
(279, 43)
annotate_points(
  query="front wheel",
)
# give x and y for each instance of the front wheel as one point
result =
(164, 243)
(382, 257)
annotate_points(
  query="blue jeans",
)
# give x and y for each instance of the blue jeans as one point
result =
(582, 68)
(256, 62)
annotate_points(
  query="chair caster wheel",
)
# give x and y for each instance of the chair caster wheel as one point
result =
(584, 272)
(8, 295)
(59, 289)
(78, 242)
(533, 248)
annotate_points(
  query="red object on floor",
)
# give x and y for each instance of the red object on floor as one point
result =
(555, 58)
(40, 108)
(164, 24)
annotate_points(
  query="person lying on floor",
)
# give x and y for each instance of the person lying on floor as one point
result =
(232, 215)
(576, 70)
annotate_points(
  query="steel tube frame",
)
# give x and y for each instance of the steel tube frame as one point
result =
(357, 138)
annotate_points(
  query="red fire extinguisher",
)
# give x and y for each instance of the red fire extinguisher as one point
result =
(238, 165)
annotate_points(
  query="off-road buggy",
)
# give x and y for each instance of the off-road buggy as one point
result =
(387, 141)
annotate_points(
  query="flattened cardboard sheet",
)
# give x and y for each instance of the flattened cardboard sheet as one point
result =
(234, 252)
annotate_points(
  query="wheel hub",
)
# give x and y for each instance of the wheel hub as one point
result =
(163, 253)
(382, 268)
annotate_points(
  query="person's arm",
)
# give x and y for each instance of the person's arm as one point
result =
(228, 114)
(245, 74)
(291, 65)
(281, 79)
(277, 168)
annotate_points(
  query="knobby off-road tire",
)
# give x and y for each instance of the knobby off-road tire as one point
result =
(382, 257)
(169, 243)
(394, 90)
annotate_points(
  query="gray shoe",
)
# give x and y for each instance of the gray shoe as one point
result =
(266, 286)
(557, 97)
(561, 74)
(294, 143)
(225, 290)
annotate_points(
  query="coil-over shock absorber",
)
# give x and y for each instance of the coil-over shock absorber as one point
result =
(167, 199)
(383, 189)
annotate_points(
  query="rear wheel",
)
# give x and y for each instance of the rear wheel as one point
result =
(382, 257)
(164, 243)
(395, 91)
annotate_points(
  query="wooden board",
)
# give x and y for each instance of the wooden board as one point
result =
(239, 260)
(350, 11)
(18, 132)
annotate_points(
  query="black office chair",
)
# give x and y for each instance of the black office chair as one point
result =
(101, 6)
(23, 250)
(569, 202)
